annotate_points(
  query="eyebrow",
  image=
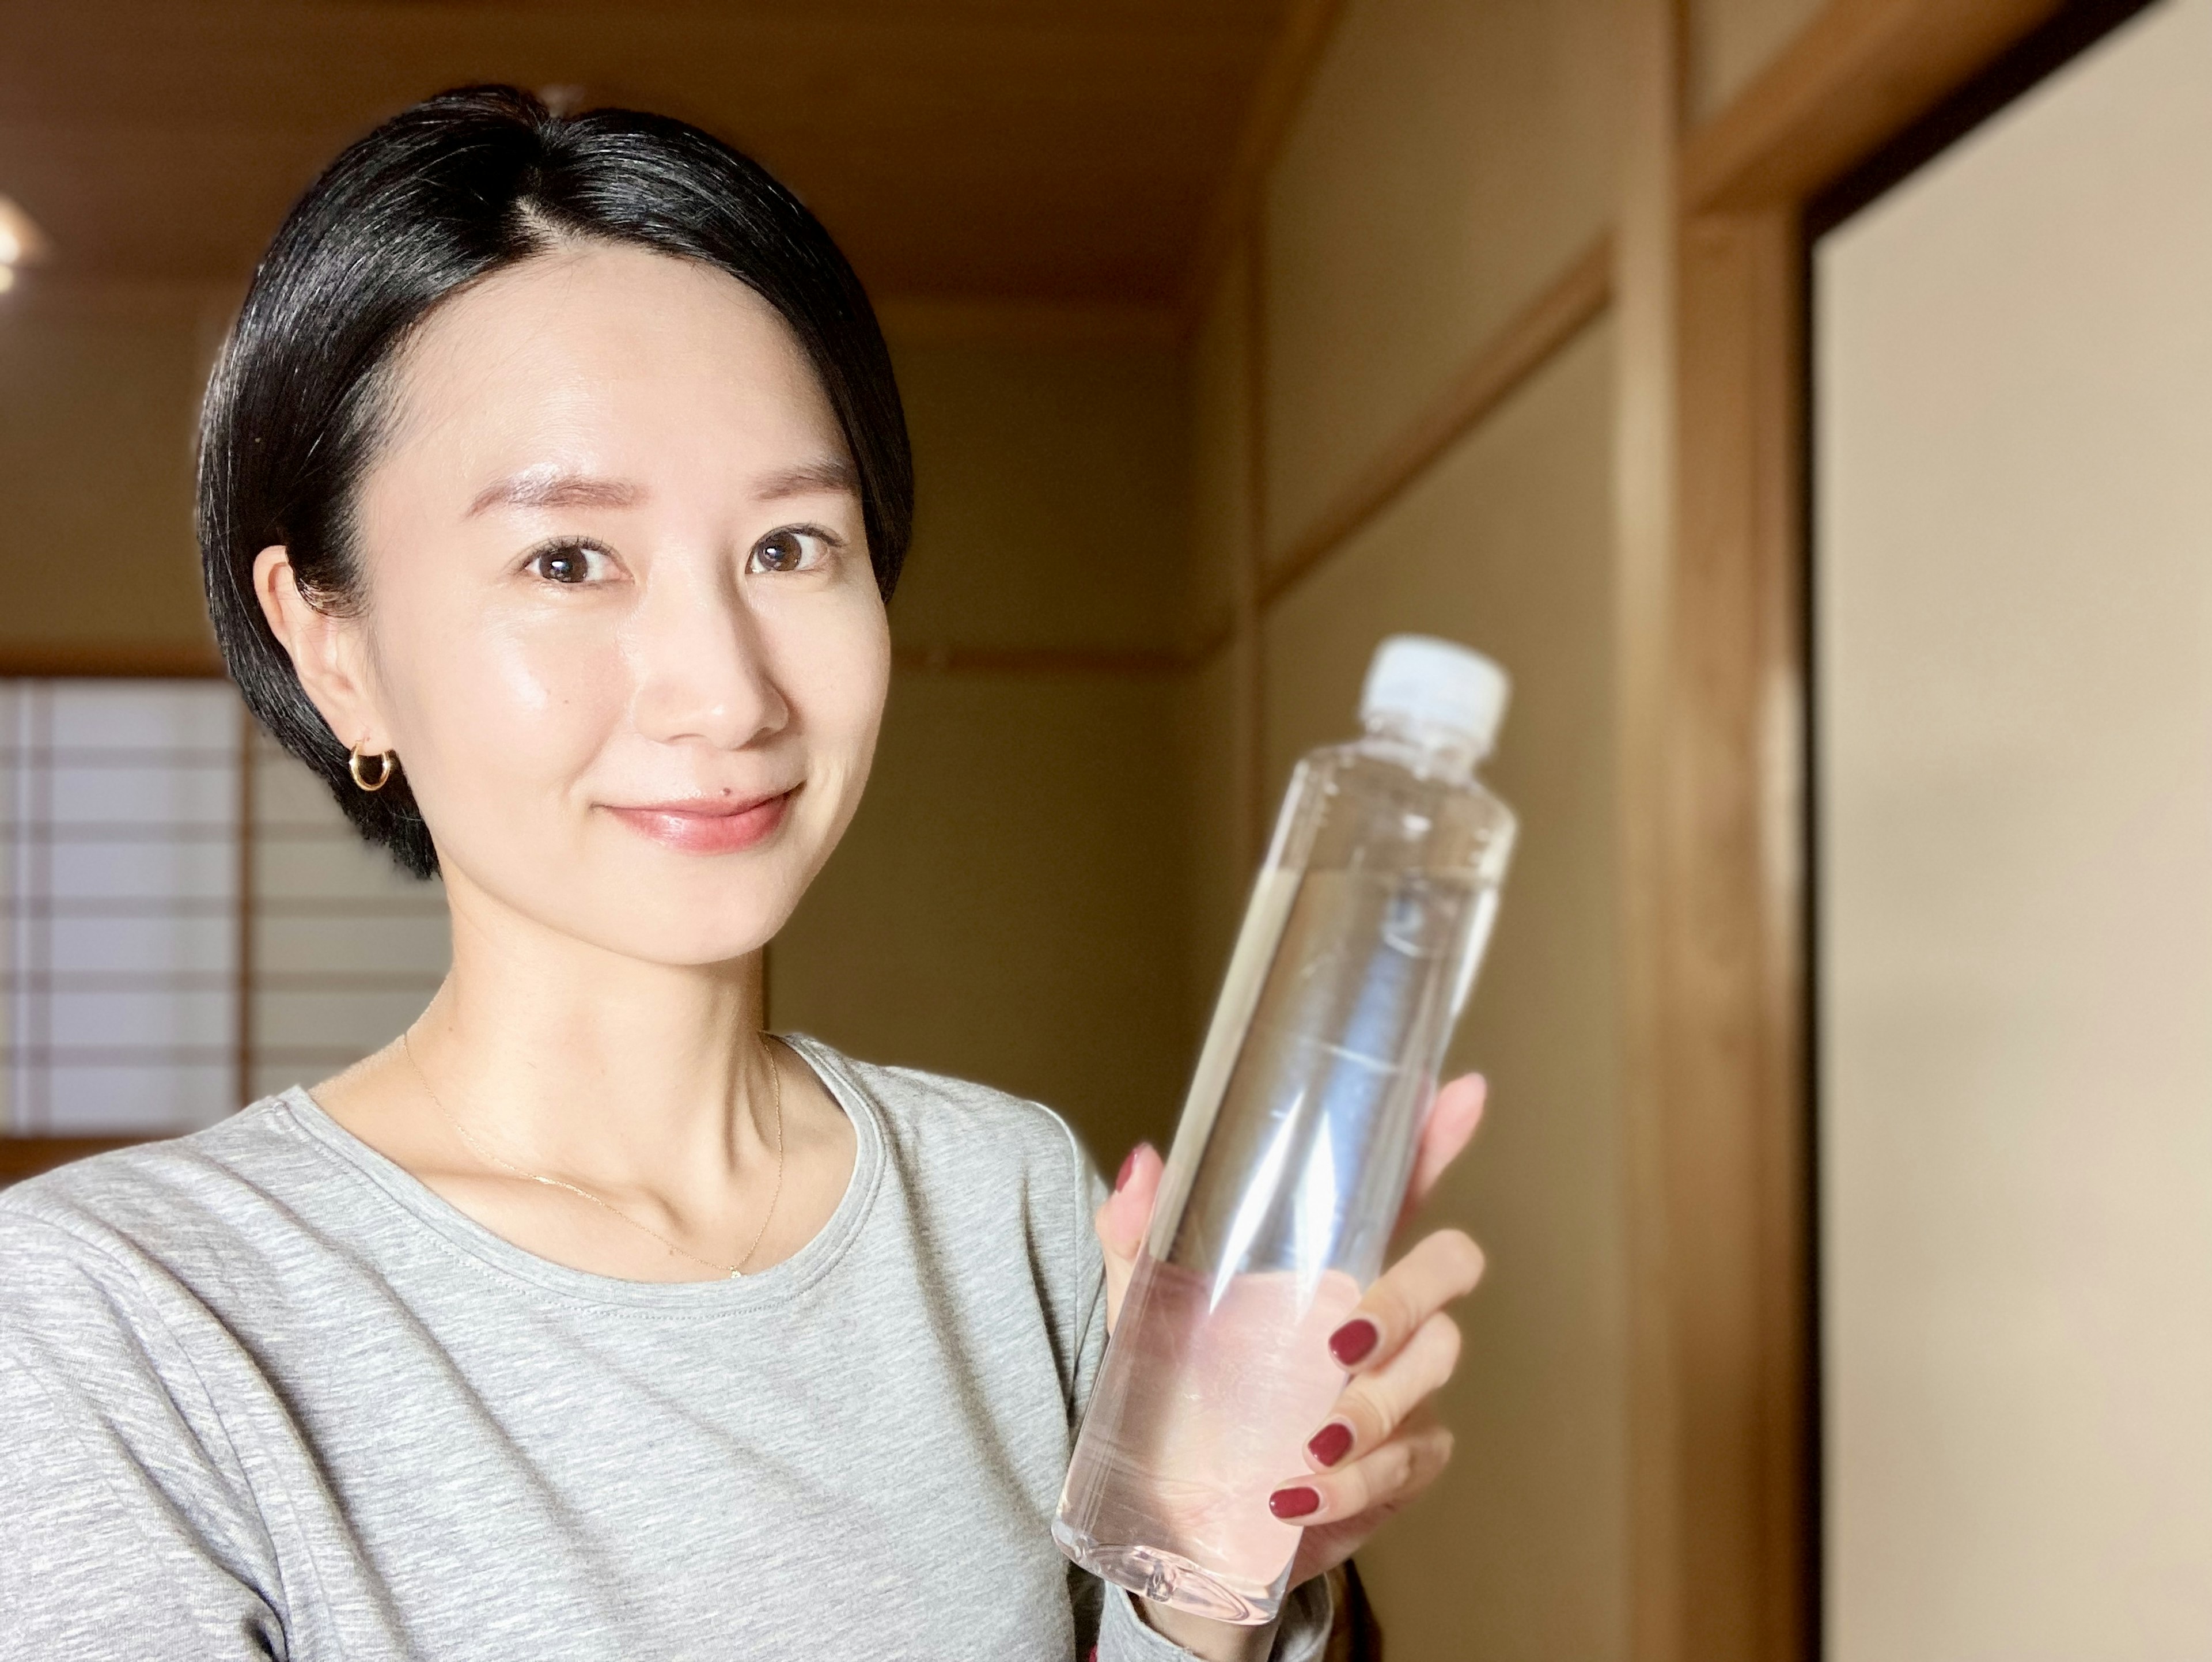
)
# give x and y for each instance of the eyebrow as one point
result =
(539, 487)
(829, 473)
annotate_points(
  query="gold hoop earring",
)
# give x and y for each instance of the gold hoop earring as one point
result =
(389, 765)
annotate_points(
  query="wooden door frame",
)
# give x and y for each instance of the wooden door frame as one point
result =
(1711, 282)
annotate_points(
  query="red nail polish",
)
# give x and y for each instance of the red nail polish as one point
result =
(1350, 1343)
(1294, 1502)
(1330, 1443)
(1129, 1165)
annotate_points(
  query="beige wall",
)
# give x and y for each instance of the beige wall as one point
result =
(1215, 724)
(1448, 161)
(2015, 972)
(1052, 511)
(1006, 906)
(102, 387)
(1010, 905)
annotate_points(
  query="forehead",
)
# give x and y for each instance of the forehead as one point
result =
(631, 354)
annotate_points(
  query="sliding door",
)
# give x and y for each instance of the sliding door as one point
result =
(2012, 637)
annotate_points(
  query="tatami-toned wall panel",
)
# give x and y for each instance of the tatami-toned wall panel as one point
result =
(102, 387)
(1051, 502)
(1007, 904)
(1449, 162)
(1212, 721)
(1220, 859)
(1220, 455)
(1506, 544)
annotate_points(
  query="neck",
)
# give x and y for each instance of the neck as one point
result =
(573, 1060)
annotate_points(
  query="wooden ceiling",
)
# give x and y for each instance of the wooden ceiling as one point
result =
(1058, 151)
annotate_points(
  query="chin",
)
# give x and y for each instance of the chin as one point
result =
(688, 935)
(655, 908)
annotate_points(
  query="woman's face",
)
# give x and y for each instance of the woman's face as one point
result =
(622, 629)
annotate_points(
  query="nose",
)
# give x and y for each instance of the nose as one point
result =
(699, 661)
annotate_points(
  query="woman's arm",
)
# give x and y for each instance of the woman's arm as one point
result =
(122, 1533)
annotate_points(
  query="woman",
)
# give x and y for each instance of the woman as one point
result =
(553, 483)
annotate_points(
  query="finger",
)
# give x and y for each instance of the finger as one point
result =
(1378, 1483)
(1441, 1267)
(1451, 1122)
(1121, 1221)
(1375, 1404)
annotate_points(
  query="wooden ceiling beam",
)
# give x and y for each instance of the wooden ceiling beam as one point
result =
(1861, 71)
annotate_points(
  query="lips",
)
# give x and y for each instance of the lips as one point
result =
(708, 824)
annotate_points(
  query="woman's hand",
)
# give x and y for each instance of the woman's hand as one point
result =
(1379, 1448)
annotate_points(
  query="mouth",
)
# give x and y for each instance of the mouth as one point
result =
(707, 824)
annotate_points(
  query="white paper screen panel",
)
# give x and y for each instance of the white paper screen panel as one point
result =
(2013, 649)
(127, 947)
(118, 833)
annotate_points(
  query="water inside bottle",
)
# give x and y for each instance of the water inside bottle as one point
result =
(1201, 1414)
(1304, 1112)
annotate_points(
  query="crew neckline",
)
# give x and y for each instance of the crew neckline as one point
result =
(425, 1206)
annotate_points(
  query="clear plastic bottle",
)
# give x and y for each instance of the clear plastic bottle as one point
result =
(1297, 1140)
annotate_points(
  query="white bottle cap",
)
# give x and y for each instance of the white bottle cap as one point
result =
(1420, 679)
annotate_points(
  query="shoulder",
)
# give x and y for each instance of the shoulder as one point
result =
(171, 1202)
(933, 1122)
(1003, 1188)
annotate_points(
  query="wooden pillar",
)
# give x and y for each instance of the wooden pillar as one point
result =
(1711, 771)
(1735, 1175)
(1645, 467)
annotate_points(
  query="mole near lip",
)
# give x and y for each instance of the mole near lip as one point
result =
(707, 824)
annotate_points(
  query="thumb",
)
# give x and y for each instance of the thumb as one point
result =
(1121, 1220)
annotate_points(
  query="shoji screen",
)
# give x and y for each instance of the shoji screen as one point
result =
(119, 862)
(2012, 606)
(176, 938)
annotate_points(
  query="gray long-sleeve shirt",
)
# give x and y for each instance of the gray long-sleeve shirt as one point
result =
(264, 1394)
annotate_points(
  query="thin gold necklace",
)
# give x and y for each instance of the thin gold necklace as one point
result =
(732, 1270)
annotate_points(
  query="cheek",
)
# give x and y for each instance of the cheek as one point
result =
(837, 685)
(494, 707)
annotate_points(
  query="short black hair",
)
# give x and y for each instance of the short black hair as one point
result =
(442, 195)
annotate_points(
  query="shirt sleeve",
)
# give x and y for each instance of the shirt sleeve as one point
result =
(1302, 1632)
(125, 1530)
(1122, 1635)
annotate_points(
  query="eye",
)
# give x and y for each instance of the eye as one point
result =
(571, 563)
(793, 548)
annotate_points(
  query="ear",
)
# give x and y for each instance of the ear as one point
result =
(328, 652)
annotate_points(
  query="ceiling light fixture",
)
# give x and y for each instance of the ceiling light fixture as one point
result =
(21, 241)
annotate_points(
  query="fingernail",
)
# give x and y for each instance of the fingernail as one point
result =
(1350, 1343)
(1294, 1502)
(1329, 1443)
(1129, 1165)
